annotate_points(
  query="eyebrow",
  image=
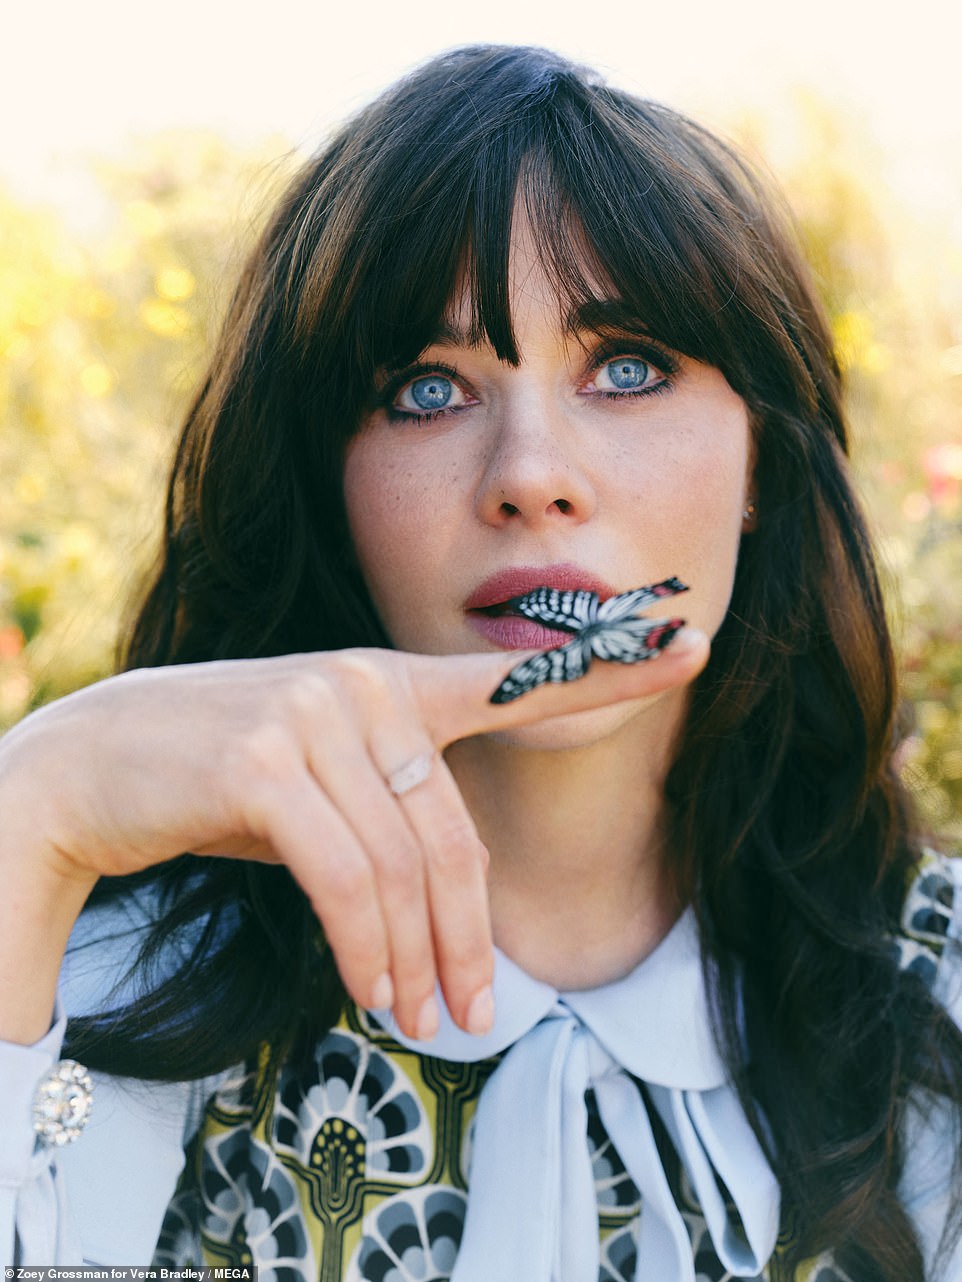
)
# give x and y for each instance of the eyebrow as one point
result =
(451, 334)
(596, 316)
(601, 315)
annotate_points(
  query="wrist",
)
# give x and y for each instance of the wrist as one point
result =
(41, 898)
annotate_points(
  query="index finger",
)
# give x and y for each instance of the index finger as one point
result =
(454, 691)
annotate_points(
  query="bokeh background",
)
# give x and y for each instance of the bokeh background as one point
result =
(139, 149)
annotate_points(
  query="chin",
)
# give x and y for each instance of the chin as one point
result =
(578, 730)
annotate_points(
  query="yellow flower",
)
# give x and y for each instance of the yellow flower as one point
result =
(145, 218)
(77, 545)
(30, 488)
(174, 284)
(97, 304)
(33, 309)
(164, 318)
(96, 379)
(853, 335)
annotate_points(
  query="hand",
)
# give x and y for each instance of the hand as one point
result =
(287, 760)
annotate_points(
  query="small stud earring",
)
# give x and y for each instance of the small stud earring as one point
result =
(749, 513)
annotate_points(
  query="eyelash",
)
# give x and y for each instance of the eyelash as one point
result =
(657, 389)
(399, 382)
(659, 359)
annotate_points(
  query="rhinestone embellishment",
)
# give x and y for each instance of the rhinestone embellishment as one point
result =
(61, 1103)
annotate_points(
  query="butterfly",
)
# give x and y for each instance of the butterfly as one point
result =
(603, 629)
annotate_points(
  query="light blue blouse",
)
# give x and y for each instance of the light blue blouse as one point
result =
(102, 1199)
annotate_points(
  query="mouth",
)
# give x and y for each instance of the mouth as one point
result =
(489, 612)
(496, 611)
(495, 592)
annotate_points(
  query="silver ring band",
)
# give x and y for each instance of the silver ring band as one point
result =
(411, 774)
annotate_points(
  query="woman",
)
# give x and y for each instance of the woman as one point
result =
(510, 330)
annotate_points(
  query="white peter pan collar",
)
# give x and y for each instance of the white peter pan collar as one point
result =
(532, 1212)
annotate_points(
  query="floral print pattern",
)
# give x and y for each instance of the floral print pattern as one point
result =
(355, 1167)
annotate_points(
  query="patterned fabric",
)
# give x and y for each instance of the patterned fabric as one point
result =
(358, 1170)
(926, 917)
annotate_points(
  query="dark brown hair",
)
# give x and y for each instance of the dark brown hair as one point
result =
(788, 824)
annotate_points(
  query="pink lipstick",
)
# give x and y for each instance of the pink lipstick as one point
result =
(512, 632)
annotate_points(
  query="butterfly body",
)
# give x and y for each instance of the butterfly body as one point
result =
(606, 630)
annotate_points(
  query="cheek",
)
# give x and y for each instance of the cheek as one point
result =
(379, 506)
(685, 511)
(396, 522)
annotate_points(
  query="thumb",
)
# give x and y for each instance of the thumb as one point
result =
(454, 691)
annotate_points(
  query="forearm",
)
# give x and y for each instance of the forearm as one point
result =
(39, 904)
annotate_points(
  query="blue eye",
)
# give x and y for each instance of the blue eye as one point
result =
(425, 393)
(431, 393)
(627, 372)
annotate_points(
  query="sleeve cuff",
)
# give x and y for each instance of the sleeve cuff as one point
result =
(21, 1068)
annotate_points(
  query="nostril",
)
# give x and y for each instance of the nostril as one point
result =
(509, 509)
(563, 505)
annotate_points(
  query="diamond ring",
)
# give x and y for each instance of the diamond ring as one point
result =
(412, 773)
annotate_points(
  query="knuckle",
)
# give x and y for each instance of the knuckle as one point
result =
(415, 977)
(365, 676)
(399, 866)
(309, 697)
(466, 957)
(346, 882)
(455, 846)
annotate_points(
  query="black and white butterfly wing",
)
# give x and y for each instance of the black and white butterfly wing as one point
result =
(564, 663)
(608, 630)
(629, 603)
(633, 640)
(566, 611)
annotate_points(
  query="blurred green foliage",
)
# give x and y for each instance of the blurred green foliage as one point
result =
(102, 336)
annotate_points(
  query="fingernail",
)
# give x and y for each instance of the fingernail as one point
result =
(481, 1013)
(382, 993)
(429, 1020)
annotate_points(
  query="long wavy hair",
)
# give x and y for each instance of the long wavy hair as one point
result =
(791, 833)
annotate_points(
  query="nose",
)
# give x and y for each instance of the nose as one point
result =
(536, 472)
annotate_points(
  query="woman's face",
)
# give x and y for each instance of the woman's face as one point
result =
(597, 462)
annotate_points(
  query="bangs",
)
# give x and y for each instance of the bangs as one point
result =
(627, 202)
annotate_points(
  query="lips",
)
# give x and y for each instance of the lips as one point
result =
(512, 632)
